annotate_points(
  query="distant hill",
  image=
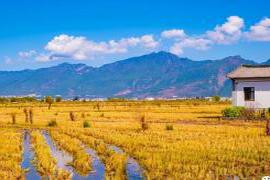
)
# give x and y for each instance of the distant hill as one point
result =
(159, 74)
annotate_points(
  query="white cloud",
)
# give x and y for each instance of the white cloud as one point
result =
(260, 31)
(148, 41)
(80, 48)
(27, 54)
(195, 43)
(173, 33)
(176, 40)
(229, 32)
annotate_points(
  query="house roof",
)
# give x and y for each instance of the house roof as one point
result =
(250, 71)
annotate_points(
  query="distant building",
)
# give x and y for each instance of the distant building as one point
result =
(251, 86)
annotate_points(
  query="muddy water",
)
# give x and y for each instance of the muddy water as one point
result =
(133, 169)
(64, 158)
(28, 156)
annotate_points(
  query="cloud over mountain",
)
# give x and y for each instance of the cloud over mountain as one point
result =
(174, 40)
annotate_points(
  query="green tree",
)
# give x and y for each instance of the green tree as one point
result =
(58, 99)
(216, 98)
(49, 100)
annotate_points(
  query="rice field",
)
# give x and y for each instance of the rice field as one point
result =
(130, 140)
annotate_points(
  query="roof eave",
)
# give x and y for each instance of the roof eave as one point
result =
(248, 77)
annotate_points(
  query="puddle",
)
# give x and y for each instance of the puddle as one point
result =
(64, 158)
(28, 155)
(133, 169)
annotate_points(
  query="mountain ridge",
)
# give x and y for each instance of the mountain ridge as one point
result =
(159, 74)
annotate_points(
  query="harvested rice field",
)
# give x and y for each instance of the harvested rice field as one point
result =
(130, 140)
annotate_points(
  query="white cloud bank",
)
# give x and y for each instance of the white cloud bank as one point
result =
(227, 33)
(194, 43)
(81, 48)
(173, 33)
(260, 31)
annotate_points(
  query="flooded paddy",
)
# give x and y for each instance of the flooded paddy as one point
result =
(28, 156)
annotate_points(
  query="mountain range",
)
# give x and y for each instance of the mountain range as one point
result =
(159, 74)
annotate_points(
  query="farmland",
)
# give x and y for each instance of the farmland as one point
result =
(163, 139)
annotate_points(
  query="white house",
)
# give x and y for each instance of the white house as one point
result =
(251, 86)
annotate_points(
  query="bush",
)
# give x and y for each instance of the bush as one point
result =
(169, 127)
(233, 112)
(52, 123)
(58, 99)
(216, 98)
(4, 100)
(86, 124)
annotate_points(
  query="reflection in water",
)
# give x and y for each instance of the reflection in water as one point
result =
(27, 158)
(64, 158)
(133, 169)
(98, 167)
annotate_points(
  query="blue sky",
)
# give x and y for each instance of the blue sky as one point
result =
(37, 34)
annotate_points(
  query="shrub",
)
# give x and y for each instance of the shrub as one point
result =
(216, 98)
(86, 124)
(58, 99)
(4, 100)
(169, 127)
(52, 123)
(233, 112)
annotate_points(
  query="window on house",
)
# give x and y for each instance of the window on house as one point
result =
(249, 93)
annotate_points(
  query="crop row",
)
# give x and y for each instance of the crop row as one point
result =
(11, 154)
(194, 151)
(115, 162)
(44, 162)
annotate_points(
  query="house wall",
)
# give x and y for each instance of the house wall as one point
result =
(262, 93)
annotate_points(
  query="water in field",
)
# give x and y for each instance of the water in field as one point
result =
(133, 169)
(64, 158)
(98, 167)
(28, 157)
